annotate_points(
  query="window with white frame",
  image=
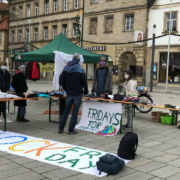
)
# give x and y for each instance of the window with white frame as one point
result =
(13, 13)
(20, 12)
(94, 1)
(75, 30)
(28, 10)
(46, 6)
(20, 35)
(13, 36)
(76, 4)
(36, 34)
(27, 35)
(45, 32)
(0, 39)
(173, 22)
(64, 28)
(129, 22)
(55, 5)
(54, 32)
(65, 5)
(36, 9)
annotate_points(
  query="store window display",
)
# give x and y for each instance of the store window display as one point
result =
(174, 67)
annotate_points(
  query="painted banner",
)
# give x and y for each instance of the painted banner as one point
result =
(101, 118)
(138, 36)
(68, 156)
(46, 67)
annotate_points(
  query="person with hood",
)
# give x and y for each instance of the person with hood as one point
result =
(73, 80)
(20, 86)
(102, 82)
(4, 84)
(130, 88)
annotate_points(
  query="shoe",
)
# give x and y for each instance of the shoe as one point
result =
(18, 118)
(1, 121)
(8, 120)
(74, 132)
(60, 131)
(22, 119)
(126, 127)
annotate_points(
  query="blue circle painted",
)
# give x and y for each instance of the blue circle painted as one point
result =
(24, 139)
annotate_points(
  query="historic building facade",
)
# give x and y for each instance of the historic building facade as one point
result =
(40, 21)
(159, 15)
(117, 21)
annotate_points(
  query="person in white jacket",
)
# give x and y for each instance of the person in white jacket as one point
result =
(130, 88)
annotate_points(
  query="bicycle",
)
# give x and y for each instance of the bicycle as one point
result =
(144, 98)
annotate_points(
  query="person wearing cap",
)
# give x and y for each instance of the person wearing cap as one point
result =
(73, 81)
(20, 86)
(4, 84)
(102, 82)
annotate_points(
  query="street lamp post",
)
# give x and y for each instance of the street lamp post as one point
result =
(29, 33)
(152, 61)
(169, 41)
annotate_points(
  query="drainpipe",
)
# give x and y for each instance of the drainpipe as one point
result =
(82, 30)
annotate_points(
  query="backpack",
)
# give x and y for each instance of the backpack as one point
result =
(119, 97)
(110, 164)
(128, 146)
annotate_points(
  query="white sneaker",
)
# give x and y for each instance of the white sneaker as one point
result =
(8, 120)
(1, 121)
(7, 111)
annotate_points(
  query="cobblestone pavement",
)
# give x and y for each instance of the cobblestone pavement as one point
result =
(158, 151)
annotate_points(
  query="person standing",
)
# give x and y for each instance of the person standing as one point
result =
(20, 86)
(4, 84)
(130, 87)
(73, 80)
(102, 82)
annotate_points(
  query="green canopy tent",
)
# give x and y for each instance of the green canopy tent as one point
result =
(61, 44)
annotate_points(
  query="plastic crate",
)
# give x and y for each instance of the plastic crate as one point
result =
(168, 119)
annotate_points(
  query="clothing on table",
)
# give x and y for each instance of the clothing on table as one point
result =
(8, 96)
(108, 85)
(101, 81)
(4, 80)
(37, 92)
(76, 102)
(92, 96)
(33, 71)
(61, 60)
(59, 93)
(20, 86)
(44, 96)
(21, 111)
(131, 87)
(73, 79)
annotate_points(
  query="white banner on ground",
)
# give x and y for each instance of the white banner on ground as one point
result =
(68, 156)
(101, 118)
(61, 59)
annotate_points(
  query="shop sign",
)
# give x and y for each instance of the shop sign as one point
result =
(138, 36)
(16, 51)
(46, 67)
(95, 48)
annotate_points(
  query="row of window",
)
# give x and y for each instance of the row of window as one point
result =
(64, 31)
(46, 8)
(129, 23)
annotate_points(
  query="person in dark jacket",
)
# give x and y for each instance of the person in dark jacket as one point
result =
(73, 80)
(102, 82)
(4, 83)
(20, 86)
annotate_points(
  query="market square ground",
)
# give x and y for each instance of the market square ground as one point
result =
(158, 151)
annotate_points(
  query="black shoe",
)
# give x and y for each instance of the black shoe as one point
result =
(74, 132)
(18, 118)
(22, 119)
(126, 127)
(60, 131)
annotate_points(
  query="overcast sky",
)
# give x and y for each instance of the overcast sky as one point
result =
(4, 1)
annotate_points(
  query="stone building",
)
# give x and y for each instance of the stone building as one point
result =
(159, 15)
(48, 18)
(117, 21)
(3, 31)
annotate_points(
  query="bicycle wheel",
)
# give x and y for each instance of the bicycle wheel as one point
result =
(144, 98)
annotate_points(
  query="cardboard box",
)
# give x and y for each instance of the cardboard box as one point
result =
(156, 116)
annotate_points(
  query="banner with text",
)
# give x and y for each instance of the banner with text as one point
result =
(68, 156)
(101, 118)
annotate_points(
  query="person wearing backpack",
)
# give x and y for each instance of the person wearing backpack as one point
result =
(130, 88)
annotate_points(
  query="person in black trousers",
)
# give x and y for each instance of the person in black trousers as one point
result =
(20, 86)
(4, 84)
